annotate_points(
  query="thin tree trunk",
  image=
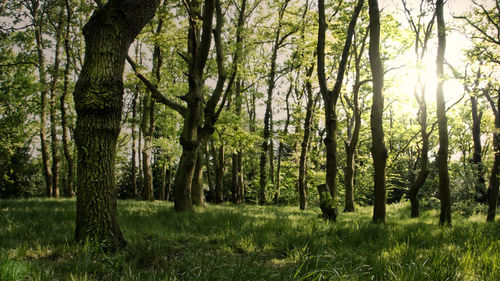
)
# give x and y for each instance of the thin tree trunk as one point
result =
(218, 156)
(197, 191)
(98, 101)
(330, 97)
(495, 170)
(280, 147)
(302, 184)
(163, 177)
(169, 182)
(379, 151)
(65, 137)
(211, 188)
(477, 160)
(442, 158)
(47, 171)
(198, 48)
(53, 96)
(134, 140)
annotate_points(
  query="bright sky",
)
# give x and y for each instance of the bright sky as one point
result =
(455, 44)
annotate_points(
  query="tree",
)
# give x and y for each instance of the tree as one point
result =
(422, 32)
(330, 96)
(37, 19)
(379, 151)
(354, 126)
(442, 158)
(98, 100)
(495, 170)
(278, 41)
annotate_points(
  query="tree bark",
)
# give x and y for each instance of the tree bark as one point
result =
(198, 48)
(197, 191)
(52, 111)
(237, 171)
(271, 81)
(163, 177)
(477, 159)
(302, 184)
(134, 140)
(65, 137)
(98, 101)
(211, 188)
(495, 170)
(379, 151)
(442, 158)
(42, 76)
(330, 97)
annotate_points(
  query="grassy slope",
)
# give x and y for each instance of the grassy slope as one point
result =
(246, 243)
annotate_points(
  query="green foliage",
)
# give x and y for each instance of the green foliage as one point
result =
(228, 242)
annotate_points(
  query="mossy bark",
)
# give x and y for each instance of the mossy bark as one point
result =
(98, 101)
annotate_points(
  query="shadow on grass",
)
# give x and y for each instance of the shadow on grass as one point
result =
(229, 242)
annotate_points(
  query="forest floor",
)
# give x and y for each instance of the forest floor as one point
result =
(248, 242)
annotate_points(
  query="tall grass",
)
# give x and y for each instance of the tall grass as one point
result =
(248, 242)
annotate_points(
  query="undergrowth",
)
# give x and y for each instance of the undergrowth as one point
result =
(247, 242)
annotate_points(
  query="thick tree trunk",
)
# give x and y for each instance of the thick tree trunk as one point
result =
(379, 151)
(98, 101)
(197, 190)
(65, 137)
(442, 158)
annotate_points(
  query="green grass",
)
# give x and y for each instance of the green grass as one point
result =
(247, 242)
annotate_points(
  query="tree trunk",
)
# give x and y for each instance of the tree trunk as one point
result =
(237, 173)
(330, 97)
(269, 106)
(47, 172)
(218, 156)
(211, 188)
(147, 132)
(134, 140)
(197, 190)
(198, 48)
(169, 182)
(280, 147)
(98, 101)
(163, 177)
(53, 96)
(442, 158)
(302, 184)
(495, 170)
(477, 160)
(379, 151)
(65, 137)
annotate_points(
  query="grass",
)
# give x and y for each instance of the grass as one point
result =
(248, 242)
